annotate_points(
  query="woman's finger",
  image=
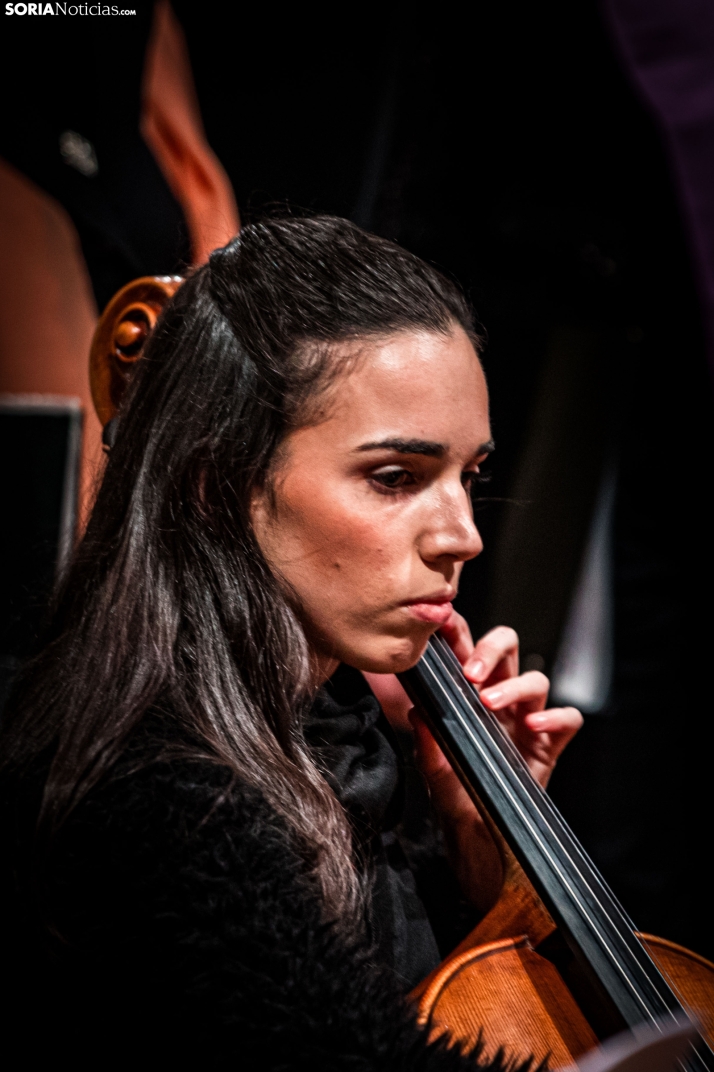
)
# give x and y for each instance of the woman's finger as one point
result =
(529, 689)
(457, 635)
(542, 742)
(560, 723)
(494, 656)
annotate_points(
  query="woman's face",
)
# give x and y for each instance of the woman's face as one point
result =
(370, 520)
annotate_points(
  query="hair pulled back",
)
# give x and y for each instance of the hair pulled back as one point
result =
(169, 600)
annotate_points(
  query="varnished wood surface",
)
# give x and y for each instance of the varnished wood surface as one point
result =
(506, 993)
(496, 983)
(518, 911)
(513, 997)
(690, 976)
(121, 333)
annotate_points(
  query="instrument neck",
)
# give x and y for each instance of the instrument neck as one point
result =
(593, 923)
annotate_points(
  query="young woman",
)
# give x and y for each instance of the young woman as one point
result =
(196, 781)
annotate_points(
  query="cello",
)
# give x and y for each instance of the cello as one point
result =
(556, 965)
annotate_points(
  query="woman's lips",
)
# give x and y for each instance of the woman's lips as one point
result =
(438, 613)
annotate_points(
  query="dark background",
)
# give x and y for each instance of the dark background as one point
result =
(508, 148)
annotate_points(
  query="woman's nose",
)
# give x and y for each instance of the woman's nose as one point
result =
(450, 531)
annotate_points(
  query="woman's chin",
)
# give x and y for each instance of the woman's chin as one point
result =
(389, 655)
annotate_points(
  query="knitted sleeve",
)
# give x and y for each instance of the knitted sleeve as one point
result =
(189, 932)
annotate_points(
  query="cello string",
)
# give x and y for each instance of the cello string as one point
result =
(623, 936)
(624, 933)
(549, 858)
(555, 865)
(634, 947)
(538, 796)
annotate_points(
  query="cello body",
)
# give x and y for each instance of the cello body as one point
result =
(527, 980)
(514, 996)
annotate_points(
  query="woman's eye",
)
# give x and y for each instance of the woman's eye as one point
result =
(392, 478)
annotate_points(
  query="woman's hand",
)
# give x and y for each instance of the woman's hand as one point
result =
(519, 702)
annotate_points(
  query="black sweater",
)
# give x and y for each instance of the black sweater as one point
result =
(174, 924)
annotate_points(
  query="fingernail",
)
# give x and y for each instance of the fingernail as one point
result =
(477, 670)
(491, 696)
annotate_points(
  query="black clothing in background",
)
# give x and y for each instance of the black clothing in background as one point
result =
(83, 75)
(174, 924)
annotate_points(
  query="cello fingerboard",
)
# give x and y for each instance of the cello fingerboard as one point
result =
(618, 970)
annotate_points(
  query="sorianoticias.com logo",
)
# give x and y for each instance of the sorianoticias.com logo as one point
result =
(66, 9)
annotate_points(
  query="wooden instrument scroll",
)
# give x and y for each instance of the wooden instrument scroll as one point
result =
(123, 328)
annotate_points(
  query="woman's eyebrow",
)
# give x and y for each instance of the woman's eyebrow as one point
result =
(408, 446)
(420, 446)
